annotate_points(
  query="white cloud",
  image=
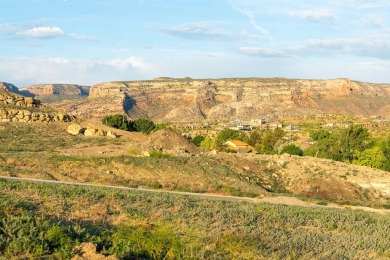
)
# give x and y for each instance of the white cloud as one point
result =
(208, 30)
(252, 20)
(44, 32)
(372, 20)
(314, 15)
(199, 31)
(24, 71)
(83, 37)
(265, 53)
(368, 4)
(124, 64)
(367, 47)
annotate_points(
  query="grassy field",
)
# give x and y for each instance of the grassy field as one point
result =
(50, 220)
(40, 151)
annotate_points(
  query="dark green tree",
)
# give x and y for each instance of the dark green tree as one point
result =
(291, 149)
(319, 135)
(144, 125)
(118, 121)
(198, 139)
(227, 134)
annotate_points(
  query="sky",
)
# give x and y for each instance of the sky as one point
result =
(90, 41)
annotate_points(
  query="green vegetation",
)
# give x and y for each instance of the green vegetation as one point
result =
(122, 122)
(197, 140)
(291, 149)
(226, 135)
(41, 220)
(352, 145)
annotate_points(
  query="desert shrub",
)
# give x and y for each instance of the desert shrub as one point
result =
(138, 242)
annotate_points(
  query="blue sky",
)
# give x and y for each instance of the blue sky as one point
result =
(91, 41)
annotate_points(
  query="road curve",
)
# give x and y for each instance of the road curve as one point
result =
(291, 201)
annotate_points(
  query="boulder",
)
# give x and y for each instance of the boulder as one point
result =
(29, 101)
(75, 129)
(111, 134)
(90, 131)
(101, 132)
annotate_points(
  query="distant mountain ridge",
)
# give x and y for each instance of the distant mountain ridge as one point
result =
(242, 98)
(57, 89)
(169, 99)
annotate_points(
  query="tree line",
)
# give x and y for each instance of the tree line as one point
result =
(352, 145)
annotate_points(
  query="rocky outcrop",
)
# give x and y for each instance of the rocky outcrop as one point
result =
(8, 98)
(57, 89)
(76, 129)
(18, 115)
(192, 100)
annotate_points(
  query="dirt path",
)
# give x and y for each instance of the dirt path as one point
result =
(284, 200)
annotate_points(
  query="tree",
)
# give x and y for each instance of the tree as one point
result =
(144, 125)
(270, 139)
(227, 134)
(208, 143)
(254, 139)
(118, 121)
(374, 157)
(197, 140)
(292, 149)
(319, 135)
(352, 141)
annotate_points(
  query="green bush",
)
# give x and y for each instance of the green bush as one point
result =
(197, 140)
(118, 121)
(143, 125)
(291, 149)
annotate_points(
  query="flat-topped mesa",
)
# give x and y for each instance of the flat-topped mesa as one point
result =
(243, 98)
(57, 89)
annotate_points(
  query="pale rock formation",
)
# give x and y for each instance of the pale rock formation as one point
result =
(192, 100)
(74, 129)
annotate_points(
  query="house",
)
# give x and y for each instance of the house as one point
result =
(330, 125)
(258, 122)
(292, 127)
(238, 146)
(275, 125)
(244, 127)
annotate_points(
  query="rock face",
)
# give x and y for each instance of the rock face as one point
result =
(19, 115)
(8, 98)
(191, 100)
(57, 89)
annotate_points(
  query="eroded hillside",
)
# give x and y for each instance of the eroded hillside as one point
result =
(191, 100)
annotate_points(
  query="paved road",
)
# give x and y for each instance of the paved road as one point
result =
(291, 201)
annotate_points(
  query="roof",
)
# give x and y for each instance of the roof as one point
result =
(238, 143)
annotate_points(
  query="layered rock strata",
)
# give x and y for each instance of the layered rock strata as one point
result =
(191, 100)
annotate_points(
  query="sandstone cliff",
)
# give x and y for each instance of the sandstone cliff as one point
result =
(57, 89)
(190, 100)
